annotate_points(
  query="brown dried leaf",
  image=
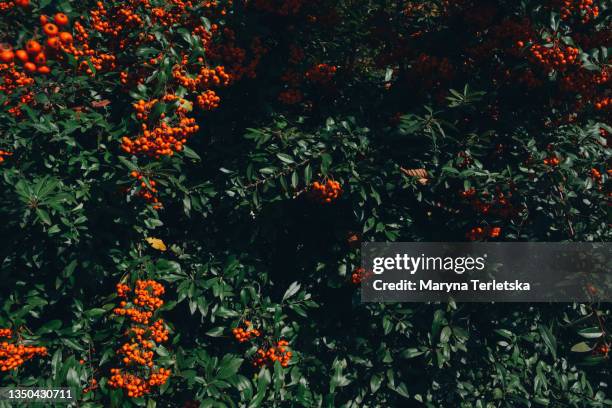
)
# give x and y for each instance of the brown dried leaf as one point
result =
(423, 177)
(100, 104)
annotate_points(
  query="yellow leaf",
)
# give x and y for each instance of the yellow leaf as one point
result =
(157, 243)
(187, 105)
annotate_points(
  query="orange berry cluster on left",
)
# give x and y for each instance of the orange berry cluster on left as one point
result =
(13, 355)
(139, 373)
(14, 82)
(246, 333)
(34, 56)
(325, 193)
(268, 356)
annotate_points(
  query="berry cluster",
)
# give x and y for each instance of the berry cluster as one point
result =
(111, 26)
(246, 333)
(587, 84)
(326, 192)
(115, 21)
(603, 103)
(552, 161)
(480, 233)
(13, 355)
(583, 9)
(139, 374)
(147, 299)
(59, 42)
(238, 61)
(557, 57)
(604, 350)
(208, 100)
(147, 191)
(272, 354)
(7, 5)
(321, 74)
(14, 83)
(93, 385)
(34, 56)
(135, 385)
(498, 204)
(264, 355)
(595, 174)
(162, 138)
(359, 275)
(206, 77)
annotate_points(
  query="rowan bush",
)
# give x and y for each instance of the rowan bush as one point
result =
(224, 160)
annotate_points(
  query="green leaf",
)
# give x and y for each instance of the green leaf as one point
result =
(72, 378)
(581, 347)
(326, 161)
(549, 340)
(375, 382)
(216, 332)
(267, 170)
(43, 215)
(446, 334)
(285, 158)
(591, 333)
(292, 290)
(307, 174)
(411, 353)
(190, 153)
(95, 312)
(127, 163)
(49, 327)
(229, 366)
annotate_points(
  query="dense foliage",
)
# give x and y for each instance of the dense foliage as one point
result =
(186, 184)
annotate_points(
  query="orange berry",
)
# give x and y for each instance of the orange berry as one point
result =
(7, 56)
(33, 47)
(21, 55)
(30, 66)
(40, 59)
(65, 37)
(50, 29)
(43, 70)
(60, 19)
(53, 42)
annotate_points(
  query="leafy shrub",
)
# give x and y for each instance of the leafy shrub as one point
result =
(236, 154)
